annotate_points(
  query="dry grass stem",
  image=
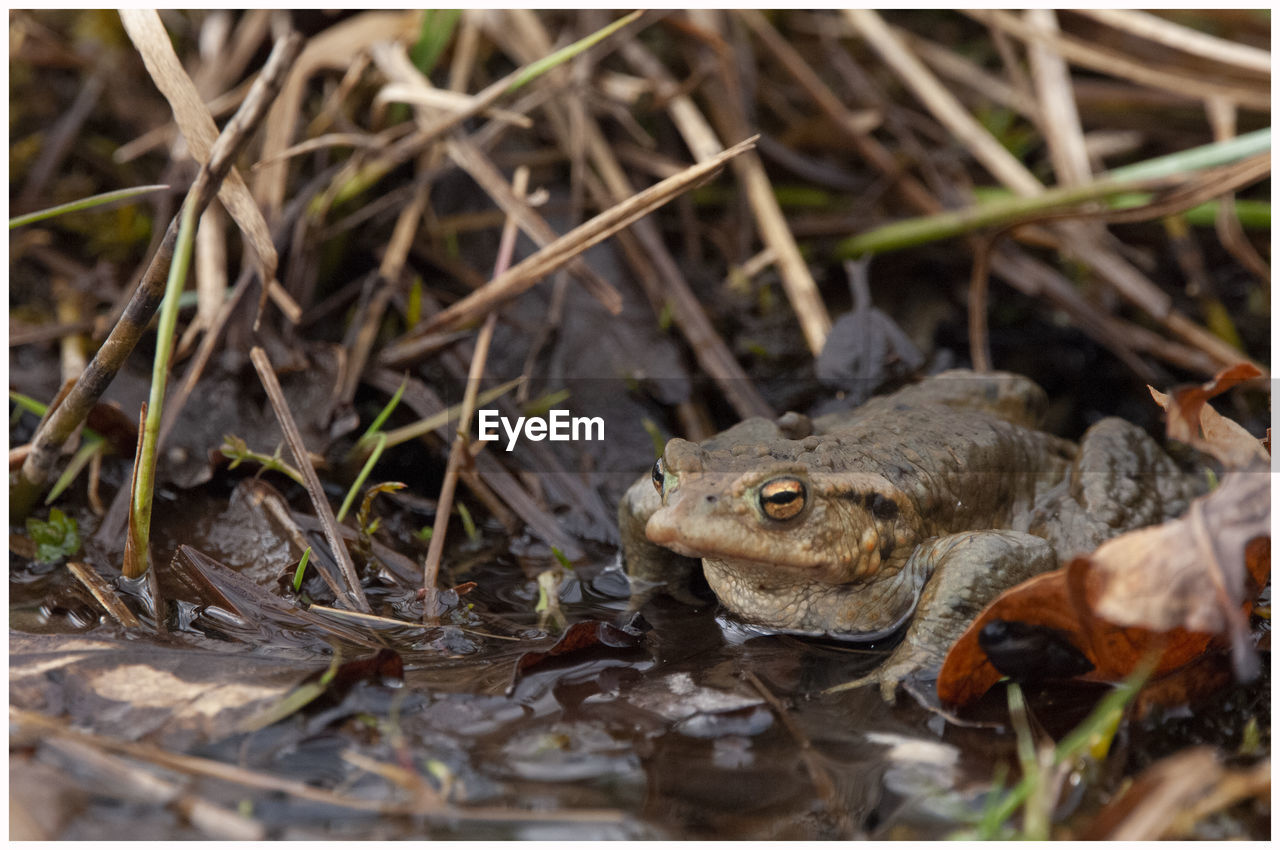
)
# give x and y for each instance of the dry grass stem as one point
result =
(353, 592)
(956, 68)
(175, 403)
(459, 452)
(104, 593)
(537, 266)
(152, 41)
(122, 779)
(37, 724)
(424, 403)
(1222, 118)
(698, 134)
(332, 48)
(852, 123)
(473, 161)
(211, 277)
(409, 85)
(1157, 29)
(1060, 121)
(145, 299)
(950, 113)
(1108, 62)
(1116, 271)
(643, 246)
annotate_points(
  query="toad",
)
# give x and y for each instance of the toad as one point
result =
(908, 513)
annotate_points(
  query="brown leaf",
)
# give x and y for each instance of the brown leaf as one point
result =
(1191, 572)
(1194, 422)
(1170, 797)
(1168, 590)
(584, 636)
(1146, 808)
(1129, 580)
(1054, 601)
(967, 673)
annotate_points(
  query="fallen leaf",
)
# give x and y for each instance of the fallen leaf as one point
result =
(1172, 795)
(1146, 808)
(179, 696)
(584, 636)
(1193, 421)
(1065, 602)
(1168, 591)
(1191, 572)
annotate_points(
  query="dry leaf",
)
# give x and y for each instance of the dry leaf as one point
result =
(197, 126)
(1154, 590)
(1188, 572)
(1171, 589)
(1147, 807)
(1194, 422)
(1171, 796)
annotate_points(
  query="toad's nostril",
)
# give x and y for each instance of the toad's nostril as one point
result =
(711, 500)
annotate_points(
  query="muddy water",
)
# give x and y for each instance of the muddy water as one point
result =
(693, 728)
(668, 737)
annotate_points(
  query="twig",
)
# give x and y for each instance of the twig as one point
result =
(473, 161)
(104, 593)
(198, 766)
(353, 592)
(537, 266)
(459, 452)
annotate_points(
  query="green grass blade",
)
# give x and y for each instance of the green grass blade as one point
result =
(378, 446)
(438, 26)
(295, 700)
(1198, 158)
(78, 462)
(144, 476)
(302, 568)
(425, 426)
(564, 54)
(1009, 209)
(376, 425)
(83, 204)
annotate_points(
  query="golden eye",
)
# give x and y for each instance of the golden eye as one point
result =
(657, 475)
(782, 498)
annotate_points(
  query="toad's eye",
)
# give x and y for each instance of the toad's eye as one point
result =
(782, 498)
(657, 475)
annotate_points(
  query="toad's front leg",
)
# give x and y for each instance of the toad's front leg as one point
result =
(966, 571)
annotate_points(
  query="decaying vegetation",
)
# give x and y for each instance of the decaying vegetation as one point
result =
(649, 217)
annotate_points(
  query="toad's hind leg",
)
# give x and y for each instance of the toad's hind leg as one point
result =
(969, 570)
(1121, 480)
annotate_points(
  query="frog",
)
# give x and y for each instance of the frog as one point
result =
(906, 515)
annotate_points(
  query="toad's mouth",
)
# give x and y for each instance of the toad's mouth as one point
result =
(741, 549)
